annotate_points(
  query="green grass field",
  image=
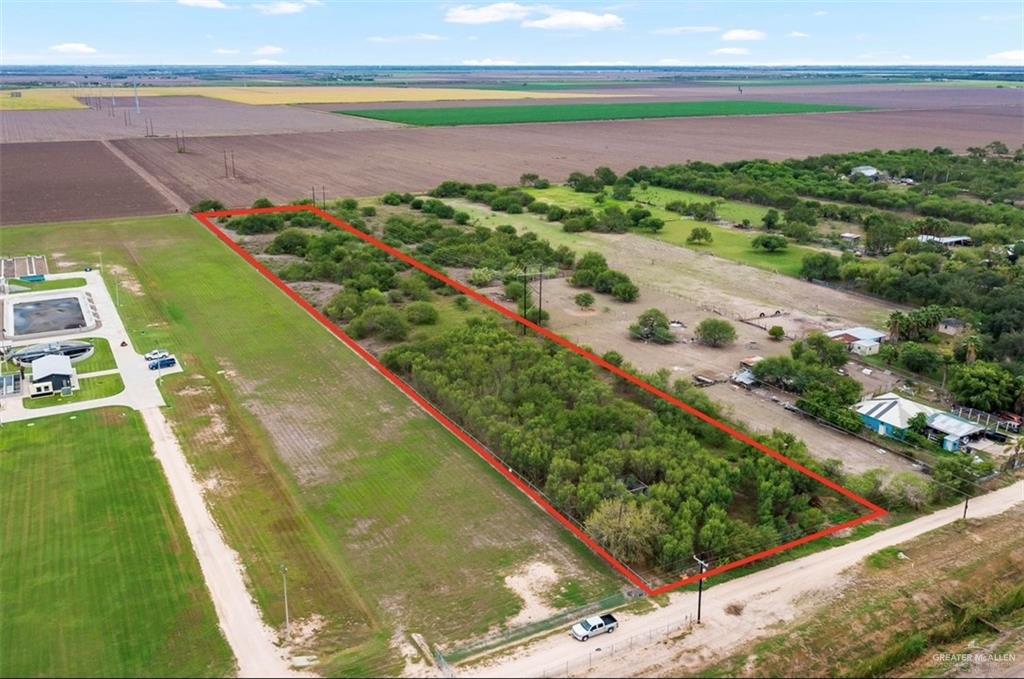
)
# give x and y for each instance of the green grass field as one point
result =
(54, 284)
(731, 244)
(102, 357)
(318, 462)
(90, 388)
(563, 113)
(97, 575)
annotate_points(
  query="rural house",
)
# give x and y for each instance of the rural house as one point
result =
(947, 241)
(859, 340)
(52, 373)
(890, 414)
(952, 431)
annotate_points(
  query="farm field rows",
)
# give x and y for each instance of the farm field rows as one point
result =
(285, 166)
(314, 461)
(97, 574)
(551, 113)
(68, 98)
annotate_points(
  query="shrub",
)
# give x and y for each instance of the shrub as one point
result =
(368, 211)
(207, 205)
(421, 313)
(461, 217)
(716, 332)
(776, 332)
(584, 300)
(652, 326)
(769, 243)
(262, 202)
(391, 199)
(289, 242)
(416, 203)
(383, 321)
(700, 234)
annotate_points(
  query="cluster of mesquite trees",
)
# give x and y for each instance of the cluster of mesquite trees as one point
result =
(642, 475)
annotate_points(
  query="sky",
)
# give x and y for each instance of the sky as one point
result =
(334, 32)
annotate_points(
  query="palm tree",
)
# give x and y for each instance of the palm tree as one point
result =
(971, 345)
(896, 321)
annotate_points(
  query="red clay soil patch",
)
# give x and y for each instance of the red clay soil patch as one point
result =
(62, 181)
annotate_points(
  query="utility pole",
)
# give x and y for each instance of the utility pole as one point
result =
(524, 275)
(137, 110)
(540, 299)
(225, 164)
(287, 621)
(233, 163)
(966, 500)
(700, 584)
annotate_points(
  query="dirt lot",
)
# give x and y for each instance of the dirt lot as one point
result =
(195, 116)
(757, 410)
(70, 180)
(367, 162)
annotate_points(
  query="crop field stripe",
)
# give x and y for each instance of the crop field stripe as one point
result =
(567, 113)
(875, 512)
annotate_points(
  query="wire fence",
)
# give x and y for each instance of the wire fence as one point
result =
(599, 648)
(522, 632)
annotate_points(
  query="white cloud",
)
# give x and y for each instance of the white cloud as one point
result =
(205, 4)
(277, 8)
(492, 62)
(1009, 57)
(266, 62)
(743, 34)
(574, 20)
(223, 50)
(733, 51)
(488, 14)
(820, 13)
(267, 50)
(76, 48)
(685, 30)
(797, 34)
(419, 37)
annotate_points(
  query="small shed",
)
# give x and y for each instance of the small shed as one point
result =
(865, 347)
(951, 326)
(953, 431)
(51, 374)
(849, 237)
(868, 171)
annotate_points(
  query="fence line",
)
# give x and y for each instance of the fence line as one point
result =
(598, 649)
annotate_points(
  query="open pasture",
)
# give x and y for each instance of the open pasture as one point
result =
(313, 460)
(97, 575)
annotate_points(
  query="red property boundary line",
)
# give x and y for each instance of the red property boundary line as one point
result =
(875, 512)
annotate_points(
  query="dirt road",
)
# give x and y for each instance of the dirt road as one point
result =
(770, 596)
(252, 642)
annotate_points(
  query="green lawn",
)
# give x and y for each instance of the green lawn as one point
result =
(97, 575)
(561, 113)
(52, 284)
(90, 388)
(384, 520)
(102, 357)
(731, 244)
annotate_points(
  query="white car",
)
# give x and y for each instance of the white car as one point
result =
(156, 355)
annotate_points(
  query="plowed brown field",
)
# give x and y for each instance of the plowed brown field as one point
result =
(70, 180)
(368, 162)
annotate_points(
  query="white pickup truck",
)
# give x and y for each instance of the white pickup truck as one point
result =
(590, 627)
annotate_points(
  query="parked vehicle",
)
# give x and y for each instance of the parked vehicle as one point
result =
(585, 629)
(157, 354)
(168, 362)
